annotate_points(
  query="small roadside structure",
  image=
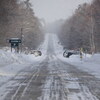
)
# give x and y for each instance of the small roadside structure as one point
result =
(15, 43)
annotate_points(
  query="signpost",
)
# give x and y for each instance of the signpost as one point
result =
(15, 43)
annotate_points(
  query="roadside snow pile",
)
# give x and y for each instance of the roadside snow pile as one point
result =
(7, 57)
(94, 59)
(75, 58)
(12, 63)
(89, 63)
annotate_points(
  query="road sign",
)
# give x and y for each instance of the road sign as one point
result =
(15, 43)
(15, 40)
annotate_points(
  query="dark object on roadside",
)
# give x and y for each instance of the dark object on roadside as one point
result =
(15, 43)
(36, 53)
(68, 53)
(40, 53)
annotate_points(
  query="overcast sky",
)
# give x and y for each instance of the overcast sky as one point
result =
(52, 10)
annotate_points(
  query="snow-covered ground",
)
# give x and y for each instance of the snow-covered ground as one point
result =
(26, 73)
(11, 63)
(89, 63)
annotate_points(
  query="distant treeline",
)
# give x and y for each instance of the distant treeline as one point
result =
(82, 30)
(17, 15)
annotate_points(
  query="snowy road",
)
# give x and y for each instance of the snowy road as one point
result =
(51, 79)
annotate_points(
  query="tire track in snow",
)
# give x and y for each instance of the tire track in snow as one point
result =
(20, 85)
(26, 84)
(61, 85)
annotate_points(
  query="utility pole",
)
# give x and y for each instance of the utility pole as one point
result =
(92, 32)
(21, 38)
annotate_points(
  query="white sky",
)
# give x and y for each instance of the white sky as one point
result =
(52, 10)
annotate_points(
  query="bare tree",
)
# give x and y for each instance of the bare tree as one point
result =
(15, 15)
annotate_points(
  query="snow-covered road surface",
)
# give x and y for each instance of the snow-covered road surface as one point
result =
(65, 82)
(51, 79)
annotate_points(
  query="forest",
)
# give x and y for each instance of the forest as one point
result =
(17, 20)
(82, 29)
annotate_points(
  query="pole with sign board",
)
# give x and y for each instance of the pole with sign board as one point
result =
(15, 43)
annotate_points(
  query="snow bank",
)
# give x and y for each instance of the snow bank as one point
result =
(11, 63)
(7, 57)
(89, 63)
